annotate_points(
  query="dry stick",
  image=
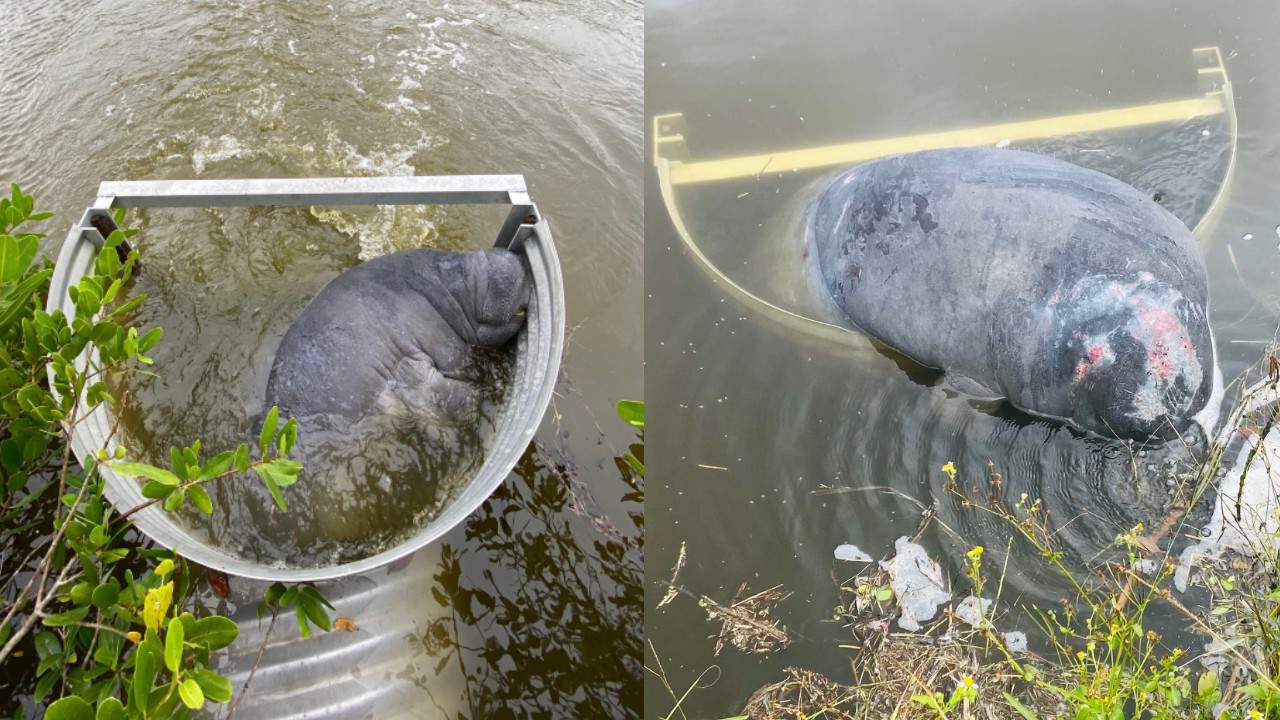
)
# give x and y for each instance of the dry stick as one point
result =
(275, 613)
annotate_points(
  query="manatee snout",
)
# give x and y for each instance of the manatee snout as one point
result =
(490, 289)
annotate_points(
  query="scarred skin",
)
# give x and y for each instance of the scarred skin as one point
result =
(1064, 290)
(396, 336)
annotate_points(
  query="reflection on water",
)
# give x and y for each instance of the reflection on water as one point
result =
(567, 644)
(767, 428)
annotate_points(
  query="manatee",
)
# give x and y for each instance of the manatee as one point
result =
(386, 370)
(397, 336)
(1064, 291)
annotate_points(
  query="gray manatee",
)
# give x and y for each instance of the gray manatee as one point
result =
(388, 370)
(396, 336)
(1063, 290)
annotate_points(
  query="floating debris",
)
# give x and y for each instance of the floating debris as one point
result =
(1015, 641)
(1003, 143)
(1244, 512)
(804, 693)
(851, 553)
(672, 589)
(917, 583)
(345, 624)
(973, 611)
(1247, 236)
(1147, 566)
(747, 624)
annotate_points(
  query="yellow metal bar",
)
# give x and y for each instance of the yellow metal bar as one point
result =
(686, 173)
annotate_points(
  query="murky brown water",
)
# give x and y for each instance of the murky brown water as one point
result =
(104, 89)
(756, 416)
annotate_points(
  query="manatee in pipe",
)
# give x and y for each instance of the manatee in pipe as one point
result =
(1063, 290)
(387, 354)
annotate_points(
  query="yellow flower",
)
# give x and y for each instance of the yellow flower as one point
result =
(156, 604)
(135, 636)
(950, 469)
(967, 682)
(975, 553)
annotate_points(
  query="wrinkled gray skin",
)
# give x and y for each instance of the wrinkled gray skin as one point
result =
(1064, 290)
(395, 336)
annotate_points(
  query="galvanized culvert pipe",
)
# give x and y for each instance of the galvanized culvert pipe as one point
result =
(538, 346)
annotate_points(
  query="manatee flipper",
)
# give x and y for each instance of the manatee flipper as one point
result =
(419, 392)
(965, 385)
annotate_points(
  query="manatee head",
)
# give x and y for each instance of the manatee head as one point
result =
(482, 295)
(1134, 355)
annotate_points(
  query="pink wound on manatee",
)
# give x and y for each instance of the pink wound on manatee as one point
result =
(1166, 334)
(1088, 361)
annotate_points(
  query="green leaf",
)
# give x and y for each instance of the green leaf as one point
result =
(110, 709)
(155, 490)
(632, 412)
(69, 708)
(81, 593)
(148, 341)
(272, 488)
(301, 617)
(178, 463)
(242, 457)
(48, 644)
(268, 429)
(214, 631)
(175, 500)
(70, 617)
(288, 436)
(150, 472)
(192, 695)
(10, 254)
(200, 498)
(314, 594)
(216, 688)
(144, 671)
(173, 645)
(106, 594)
(315, 613)
(218, 465)
(283, 472)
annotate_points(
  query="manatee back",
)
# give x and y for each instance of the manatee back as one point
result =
(954, 257)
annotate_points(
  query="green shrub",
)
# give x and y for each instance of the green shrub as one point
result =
(105, 617)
